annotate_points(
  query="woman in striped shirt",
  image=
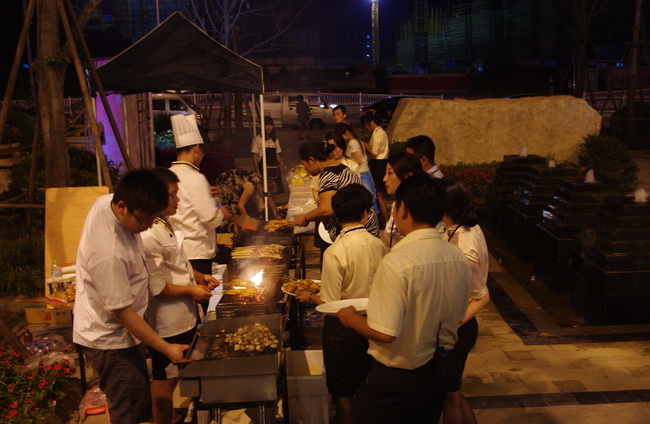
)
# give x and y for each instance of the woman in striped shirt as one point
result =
(315, 157)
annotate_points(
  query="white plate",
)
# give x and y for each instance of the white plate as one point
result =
(322, 232)
(331, 308)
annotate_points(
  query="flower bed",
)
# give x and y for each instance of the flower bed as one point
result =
(29, 393)
(477, 175)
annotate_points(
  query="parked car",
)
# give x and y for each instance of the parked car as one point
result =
(383, 109)
(282, 108)
(174, 104)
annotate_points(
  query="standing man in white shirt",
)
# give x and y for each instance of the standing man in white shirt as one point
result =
(349, 266)
(377, 149)
(197, 217)
(418, 297)
(424, 149)
(113, 294)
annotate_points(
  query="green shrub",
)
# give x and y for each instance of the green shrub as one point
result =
(83, 172)
(21, 266)
(19, 128)
(609, 159)
(163, 135)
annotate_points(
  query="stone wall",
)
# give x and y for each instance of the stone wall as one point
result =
(484, 130)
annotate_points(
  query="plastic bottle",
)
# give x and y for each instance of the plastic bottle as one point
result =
(56, 271)
(27, 336)
(218, 200)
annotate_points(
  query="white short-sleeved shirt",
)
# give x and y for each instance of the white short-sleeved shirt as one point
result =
(421, 287)
(355, 146)
(349, 264)
(197, 215)
(256, 147)
(167, 262)
(111, 274)
(379, 143)
(435, 172)
(471, 241)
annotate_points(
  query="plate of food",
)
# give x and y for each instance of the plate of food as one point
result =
(295, 287)
(331, 308)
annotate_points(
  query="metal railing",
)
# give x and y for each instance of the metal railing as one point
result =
(346, 99)
(69, 103)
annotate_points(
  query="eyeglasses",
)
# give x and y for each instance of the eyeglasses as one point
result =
(143, 222)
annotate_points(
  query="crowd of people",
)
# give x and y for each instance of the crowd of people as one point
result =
(147, 251)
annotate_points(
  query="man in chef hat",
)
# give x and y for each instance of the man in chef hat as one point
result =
(197, 216)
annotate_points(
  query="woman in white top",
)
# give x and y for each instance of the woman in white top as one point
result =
(354, 150)
(400, 166)
(460, 229)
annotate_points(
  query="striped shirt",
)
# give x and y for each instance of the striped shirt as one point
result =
(335, 178)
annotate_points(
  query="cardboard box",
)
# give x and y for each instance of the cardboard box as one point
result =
(309, 400)
(43, 314)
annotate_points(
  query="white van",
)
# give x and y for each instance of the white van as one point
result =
(173, 104)
(282, 108)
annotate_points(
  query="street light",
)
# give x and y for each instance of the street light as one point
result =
(375, 32)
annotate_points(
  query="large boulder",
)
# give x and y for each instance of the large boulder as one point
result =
(484, 130)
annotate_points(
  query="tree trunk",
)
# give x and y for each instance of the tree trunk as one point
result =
(50, 67)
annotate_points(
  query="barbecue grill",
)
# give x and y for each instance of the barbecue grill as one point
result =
(220, 375)
(266, 282)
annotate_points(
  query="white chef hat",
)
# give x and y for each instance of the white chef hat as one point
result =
(186, 132)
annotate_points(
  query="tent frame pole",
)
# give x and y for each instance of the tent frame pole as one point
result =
(264, 173)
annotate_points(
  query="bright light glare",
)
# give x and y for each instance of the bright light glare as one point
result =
(257, 278)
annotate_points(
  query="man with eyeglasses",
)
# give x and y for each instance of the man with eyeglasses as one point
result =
(113, 294)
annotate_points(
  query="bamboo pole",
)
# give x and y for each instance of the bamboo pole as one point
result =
(14, 341)
(86, 96)
(100, 88)
(32, 172)
(9, 93)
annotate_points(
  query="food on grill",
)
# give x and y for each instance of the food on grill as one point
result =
(276, 224)
(243, 292)
(250, 338)
(298, 286)
(273, 251)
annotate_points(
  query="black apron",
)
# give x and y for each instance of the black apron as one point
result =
(273, 169)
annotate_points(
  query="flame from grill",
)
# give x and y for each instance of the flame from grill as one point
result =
(257, 278)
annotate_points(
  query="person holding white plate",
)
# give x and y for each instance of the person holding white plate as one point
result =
(349, 266)
(418, 297)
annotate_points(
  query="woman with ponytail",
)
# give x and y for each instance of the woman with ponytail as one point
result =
(315, 156)
(461, 229)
